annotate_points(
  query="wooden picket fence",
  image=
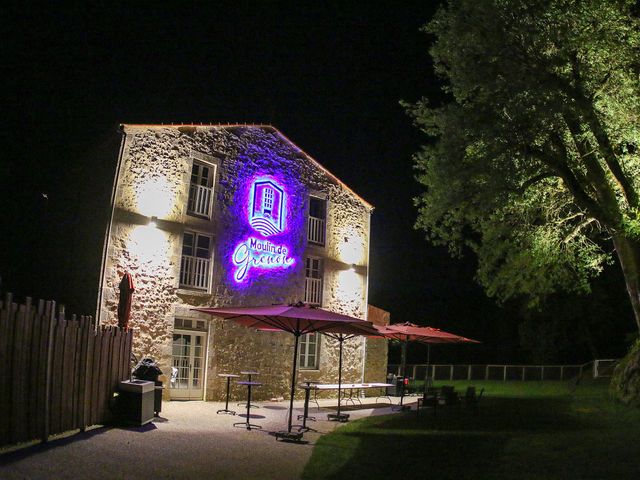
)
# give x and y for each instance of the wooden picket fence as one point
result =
(57, 374)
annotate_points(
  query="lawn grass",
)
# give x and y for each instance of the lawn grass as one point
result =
(524, 430)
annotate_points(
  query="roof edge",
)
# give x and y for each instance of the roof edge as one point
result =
(265, 126)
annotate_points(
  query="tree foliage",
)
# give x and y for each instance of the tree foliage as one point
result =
(533, 161)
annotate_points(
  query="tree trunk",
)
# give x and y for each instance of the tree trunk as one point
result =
(629, 256)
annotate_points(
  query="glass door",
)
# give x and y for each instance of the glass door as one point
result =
(187, 373)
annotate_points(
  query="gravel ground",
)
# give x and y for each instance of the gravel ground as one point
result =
(189, 440)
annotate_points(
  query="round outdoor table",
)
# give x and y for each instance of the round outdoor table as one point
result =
(248, 424)
(228, 376)
(249, 374)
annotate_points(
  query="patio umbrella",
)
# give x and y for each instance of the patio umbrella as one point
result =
(347, 332)
(410, 332)
(124, 303)
(297, 319)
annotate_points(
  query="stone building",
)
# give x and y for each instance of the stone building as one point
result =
(234, 215)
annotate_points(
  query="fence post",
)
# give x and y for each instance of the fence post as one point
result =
(524, 369)
(504, 374)
(486, 372)
(469, 372)
(542, 373)
(450, 372)
(50, 315)
(413, 371)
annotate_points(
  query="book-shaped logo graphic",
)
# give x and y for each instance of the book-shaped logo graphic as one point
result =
(267, 207)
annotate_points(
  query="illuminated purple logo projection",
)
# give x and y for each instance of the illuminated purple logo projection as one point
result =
(267, 207)
(266, 216)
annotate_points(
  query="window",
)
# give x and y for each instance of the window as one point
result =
(309, 356)
(190, 324)
(317, 220)
(201, 190)
(313, 281)
(196, 260)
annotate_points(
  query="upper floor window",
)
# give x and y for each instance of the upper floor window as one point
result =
(313, 281)
(195, 265)
(309, 354)
(201, 189)
(317, 220)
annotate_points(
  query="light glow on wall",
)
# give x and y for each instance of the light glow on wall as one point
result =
(351, 250)
(349, 287)
(149, 246)
(155, 197)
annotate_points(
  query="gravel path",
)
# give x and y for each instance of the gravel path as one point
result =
(189, 440)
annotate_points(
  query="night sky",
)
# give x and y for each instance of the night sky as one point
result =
(328, 75)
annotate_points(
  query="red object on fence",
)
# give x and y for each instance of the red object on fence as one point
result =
(126, 297)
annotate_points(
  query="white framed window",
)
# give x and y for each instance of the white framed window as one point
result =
(200, 203)
(309, 353)
(313, 281)
(195, 264)
(317, 220)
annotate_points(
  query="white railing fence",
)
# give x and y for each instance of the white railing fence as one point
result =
(601, 368)
(316, 230)
(200, 200)
(194, 272)
(604, 367)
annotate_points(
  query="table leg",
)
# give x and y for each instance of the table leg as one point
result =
(384, 396)
(242, 404)
(248, 423)
(350, 398)
(226, 403)
(307, 394)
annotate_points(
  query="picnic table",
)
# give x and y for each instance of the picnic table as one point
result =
(353, 390)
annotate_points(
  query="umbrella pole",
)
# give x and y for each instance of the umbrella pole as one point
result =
(426, 372)
(340, 339)
(293, 379)
(404, 366)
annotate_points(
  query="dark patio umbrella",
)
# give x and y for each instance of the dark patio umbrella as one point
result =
(298, 319)
(346, 332)
(124, 303)
(409, 332)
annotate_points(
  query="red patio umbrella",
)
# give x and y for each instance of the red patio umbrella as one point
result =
(410, 332)
(297, 319)
(124, 303)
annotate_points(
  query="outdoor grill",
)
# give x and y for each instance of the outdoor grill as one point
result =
(147, 369)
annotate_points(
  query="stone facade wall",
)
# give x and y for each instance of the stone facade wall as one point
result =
(377, 349)
(153, 181)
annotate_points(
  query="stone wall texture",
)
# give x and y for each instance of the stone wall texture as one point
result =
(153, 181)
(377, 349)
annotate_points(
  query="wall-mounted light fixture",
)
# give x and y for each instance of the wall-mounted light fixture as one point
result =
(153, 222)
